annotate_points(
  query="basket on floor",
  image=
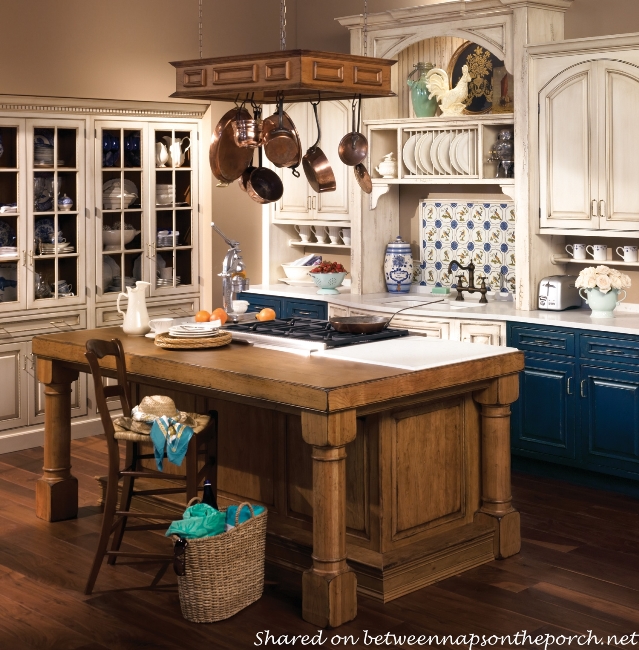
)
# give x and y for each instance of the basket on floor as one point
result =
(224, 573)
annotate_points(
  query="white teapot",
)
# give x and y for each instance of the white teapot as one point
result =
(174, 146)
(388, 166)
(136, 319)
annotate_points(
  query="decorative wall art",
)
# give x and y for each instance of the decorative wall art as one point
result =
(482, 233)
(490, 89)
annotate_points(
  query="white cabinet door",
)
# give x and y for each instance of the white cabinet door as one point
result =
(13, 396)
(484, 332)
(437, 328)
(618, 93)
(568, 149)
(337, 310)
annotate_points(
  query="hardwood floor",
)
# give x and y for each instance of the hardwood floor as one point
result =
(578, 570)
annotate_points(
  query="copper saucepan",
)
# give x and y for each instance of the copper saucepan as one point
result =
(318, 170)
(353, 147)
(368, 324)
(264, 185)
(281, 141)
(228, 161)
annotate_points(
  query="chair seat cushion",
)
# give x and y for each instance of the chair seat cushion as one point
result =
(123, 431)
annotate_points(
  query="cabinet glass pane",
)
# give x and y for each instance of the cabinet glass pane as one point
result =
(8, 147)
(56, 232)
(9, 218)
(173, 214)
(122, 216)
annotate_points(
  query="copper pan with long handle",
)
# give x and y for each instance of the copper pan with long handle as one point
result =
(318, 170)
(227, 160)
(368, 324)
(353, 147)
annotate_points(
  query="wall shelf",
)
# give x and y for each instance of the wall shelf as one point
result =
(580, 232)
(314, 244)
(562, 259)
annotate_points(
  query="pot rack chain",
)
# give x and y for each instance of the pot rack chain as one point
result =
(282, 24)
(365, 27)
(200, 25)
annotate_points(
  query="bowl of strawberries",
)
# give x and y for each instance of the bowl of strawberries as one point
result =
(327, 276)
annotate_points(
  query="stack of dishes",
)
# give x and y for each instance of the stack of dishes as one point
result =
(43, 150)
(8, 252)
(61, 249)
(164, 193)
(160, 282)
(166, 238)
(114, 196)
(116, 283)
(195, 330)
(441, 153)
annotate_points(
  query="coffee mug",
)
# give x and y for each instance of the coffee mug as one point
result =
(166, 273)
(599, 252)
(304, 232)
(320, 234)
(628, 253)
(333, 233)
(578, 251)
(346, 236)
(160, 325)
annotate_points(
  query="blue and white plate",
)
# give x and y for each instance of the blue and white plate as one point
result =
(7, 234)
(45, 229)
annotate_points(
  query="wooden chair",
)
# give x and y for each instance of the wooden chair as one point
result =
(203, 443)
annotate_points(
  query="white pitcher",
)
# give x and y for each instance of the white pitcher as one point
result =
(174, 146)
(136, 319)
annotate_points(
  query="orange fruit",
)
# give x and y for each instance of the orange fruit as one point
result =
(266, 314)
(219, 314)
(202, 316)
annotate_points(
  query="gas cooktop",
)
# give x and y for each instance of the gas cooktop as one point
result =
(304, 333)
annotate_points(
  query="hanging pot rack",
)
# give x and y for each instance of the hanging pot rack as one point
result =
(298, 74)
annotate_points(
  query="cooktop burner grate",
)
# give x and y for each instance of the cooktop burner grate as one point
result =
(309, 329)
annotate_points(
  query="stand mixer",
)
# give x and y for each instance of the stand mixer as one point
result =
(233, 280)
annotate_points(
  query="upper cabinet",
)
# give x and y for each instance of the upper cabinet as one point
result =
(300, 202)
(588, 138)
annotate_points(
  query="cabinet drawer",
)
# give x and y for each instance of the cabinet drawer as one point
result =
(305, 309)
(542, 340)
(258, 302)
(337, 310)
(603, 348)
(430, 327)
(42, 324)
(108, 316)
(482, 332)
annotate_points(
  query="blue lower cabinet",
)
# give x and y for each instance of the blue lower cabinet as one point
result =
(258, 302)
(610, 418)
(543, 419)
(286, 307)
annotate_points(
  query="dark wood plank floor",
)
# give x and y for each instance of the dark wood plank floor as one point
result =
(578, 570)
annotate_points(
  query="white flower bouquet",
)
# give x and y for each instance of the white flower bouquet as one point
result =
(602, 278)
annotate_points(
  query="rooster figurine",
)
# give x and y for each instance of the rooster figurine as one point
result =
(451, 102)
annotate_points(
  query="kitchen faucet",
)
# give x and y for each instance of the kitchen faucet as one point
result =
(470, 287)
(233, 280)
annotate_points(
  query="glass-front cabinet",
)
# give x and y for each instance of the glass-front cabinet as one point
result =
(146, 192)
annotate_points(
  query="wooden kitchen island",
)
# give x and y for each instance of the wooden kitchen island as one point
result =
(376, 478)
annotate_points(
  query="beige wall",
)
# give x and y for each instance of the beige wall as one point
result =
(120, 49)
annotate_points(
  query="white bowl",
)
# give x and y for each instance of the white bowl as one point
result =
(111, 238)
(112, 202)
(239, 306)
(298, 272)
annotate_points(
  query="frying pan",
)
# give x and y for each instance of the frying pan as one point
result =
(227, 160)
(368, 324)
(281, 141)
(243, 180)
(353, 147)
(319, 173)
(264, 185)
(363, 178)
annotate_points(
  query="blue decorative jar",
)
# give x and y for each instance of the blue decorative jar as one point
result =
(398, 266)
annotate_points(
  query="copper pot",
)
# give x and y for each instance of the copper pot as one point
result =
(280, 139)
(353, 147)
(247, 133)
(318, 170)
(227, 160)
(264, 185)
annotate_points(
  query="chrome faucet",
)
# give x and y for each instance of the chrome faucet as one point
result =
(232, 269)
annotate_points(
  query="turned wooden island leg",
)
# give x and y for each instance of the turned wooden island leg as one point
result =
(57, 489)
(329, 588)
(496, 497)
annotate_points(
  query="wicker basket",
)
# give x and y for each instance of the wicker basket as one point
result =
(225, 573)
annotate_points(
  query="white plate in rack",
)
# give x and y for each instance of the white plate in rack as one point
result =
(443, 152)
(462, 152)
(422, 154)
(433, 153)
(408, 153)
(453, 153)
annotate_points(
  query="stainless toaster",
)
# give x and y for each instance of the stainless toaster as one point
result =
(558, 292)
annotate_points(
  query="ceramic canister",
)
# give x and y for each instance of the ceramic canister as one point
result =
(398, 266)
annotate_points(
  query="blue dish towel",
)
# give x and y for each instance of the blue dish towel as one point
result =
(245, 515)
(169, 434)
(199, 520)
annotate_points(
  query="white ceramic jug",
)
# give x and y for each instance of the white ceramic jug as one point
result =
(174, 146)
(136, 319)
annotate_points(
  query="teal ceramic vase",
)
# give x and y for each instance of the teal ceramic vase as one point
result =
(422, 106)
(602, 304)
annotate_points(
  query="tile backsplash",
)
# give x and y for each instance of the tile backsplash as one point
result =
(482, 233)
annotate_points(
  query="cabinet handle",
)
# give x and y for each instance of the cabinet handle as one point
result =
(59, 323)
(581, 387)
(30, 258)
(302, 312)
(151, 250)
(24, 362)
(568, 391)
(621, 352)
(602, 208)
(308, 202)
(313, 202)
(593, 208)
(541, 342)
(24, 258)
